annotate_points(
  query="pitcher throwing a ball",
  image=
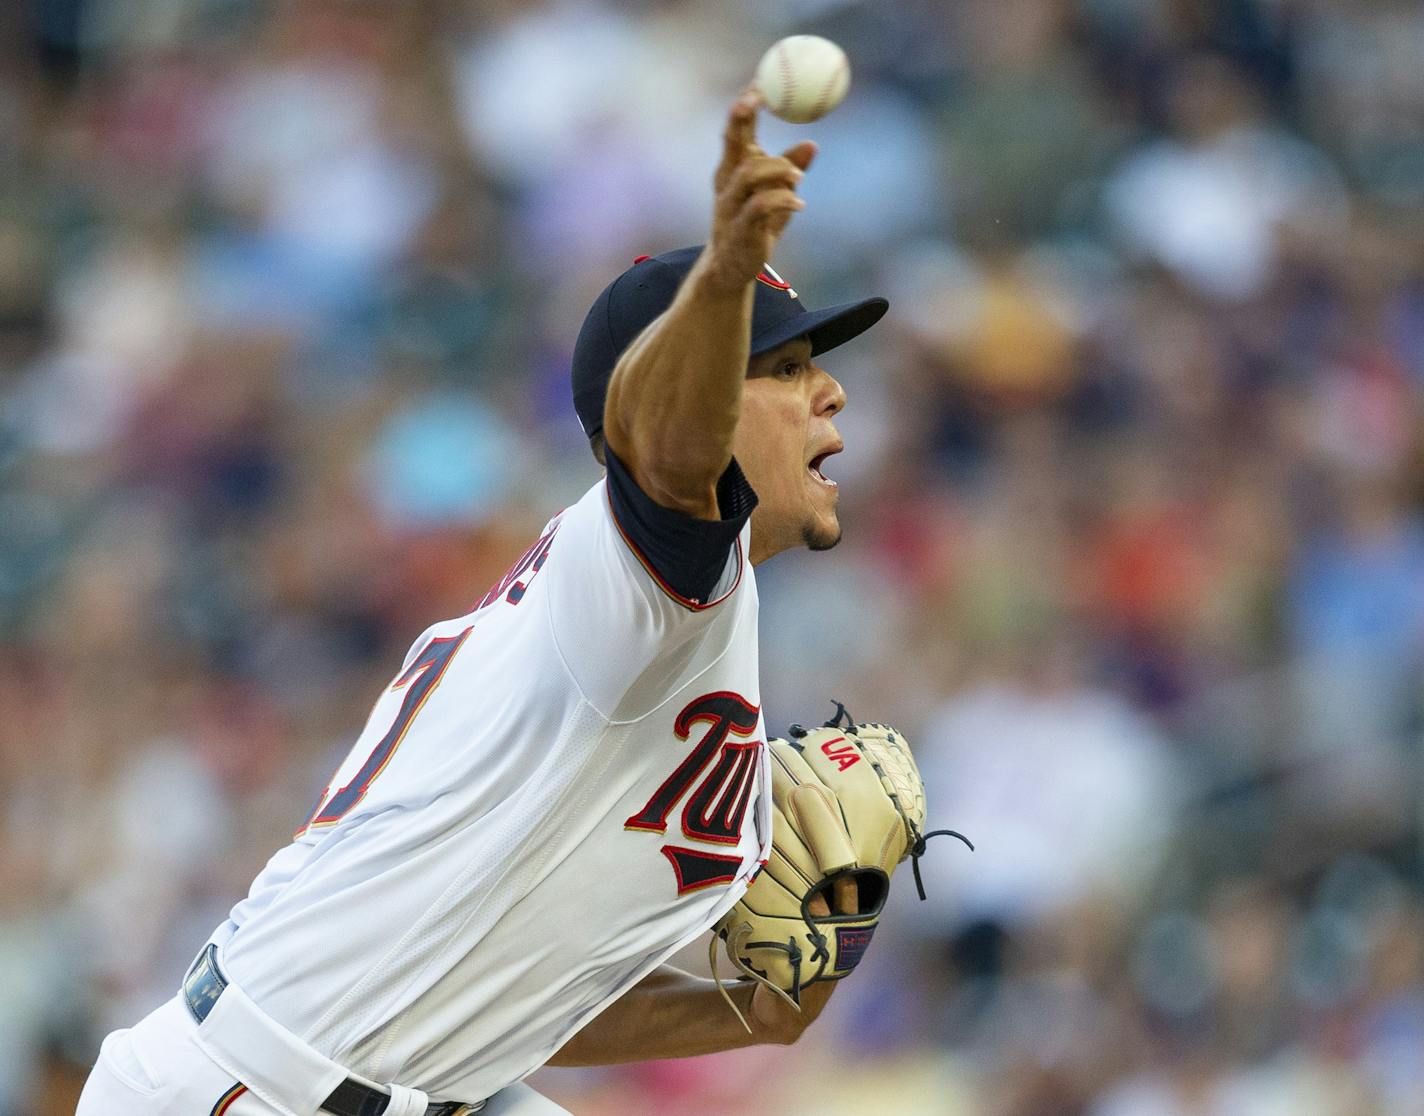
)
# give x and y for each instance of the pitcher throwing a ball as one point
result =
(570, 782)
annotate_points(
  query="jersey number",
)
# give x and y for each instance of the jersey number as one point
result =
(420, 680)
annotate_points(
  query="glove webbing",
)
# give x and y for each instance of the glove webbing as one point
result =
(917, 847)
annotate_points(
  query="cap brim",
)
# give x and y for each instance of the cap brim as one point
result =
(826, 328)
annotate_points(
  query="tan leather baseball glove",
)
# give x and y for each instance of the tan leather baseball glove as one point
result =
(848, 802)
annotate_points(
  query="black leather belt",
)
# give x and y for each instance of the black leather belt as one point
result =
(204, 986)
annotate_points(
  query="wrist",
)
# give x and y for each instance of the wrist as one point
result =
(716, 279)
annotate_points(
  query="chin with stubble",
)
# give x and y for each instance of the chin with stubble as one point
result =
(819, 538)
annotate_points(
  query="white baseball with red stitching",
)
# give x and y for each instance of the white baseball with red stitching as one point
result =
(803, 77)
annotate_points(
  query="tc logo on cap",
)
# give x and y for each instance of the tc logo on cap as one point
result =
(771, 279)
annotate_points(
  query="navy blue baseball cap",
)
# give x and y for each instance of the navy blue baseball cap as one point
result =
(646, 289)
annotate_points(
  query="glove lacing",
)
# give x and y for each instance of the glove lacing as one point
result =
(917, 850)
(734, 938)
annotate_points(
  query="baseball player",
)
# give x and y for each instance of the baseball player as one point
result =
(568, 783)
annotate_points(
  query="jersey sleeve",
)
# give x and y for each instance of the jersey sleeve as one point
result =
(686, 556)
(630, 586)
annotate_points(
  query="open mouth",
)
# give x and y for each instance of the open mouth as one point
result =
(814, 468)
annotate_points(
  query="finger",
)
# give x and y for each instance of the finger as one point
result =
(818, 906)
(801, 154)
(761, 171)
(739, 137)
(776, 226)
(768, 222)
(766, 215)
(847, 896)
(771, 205)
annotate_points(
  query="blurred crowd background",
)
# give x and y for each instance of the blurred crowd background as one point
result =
(1133, 495)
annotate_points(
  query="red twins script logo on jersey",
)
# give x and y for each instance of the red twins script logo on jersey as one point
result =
(717, 802)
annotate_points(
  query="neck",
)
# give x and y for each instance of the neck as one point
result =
(764, 543)
(761, 547)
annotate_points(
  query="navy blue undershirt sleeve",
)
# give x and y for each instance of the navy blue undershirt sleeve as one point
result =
(686, 554)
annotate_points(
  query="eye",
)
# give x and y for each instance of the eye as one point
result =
(788, 369)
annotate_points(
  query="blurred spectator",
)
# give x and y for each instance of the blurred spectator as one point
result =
(1073, 792)
(1210, 200)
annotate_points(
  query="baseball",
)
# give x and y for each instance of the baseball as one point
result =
(803, 77)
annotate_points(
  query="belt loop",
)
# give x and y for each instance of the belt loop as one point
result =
(406, 1102)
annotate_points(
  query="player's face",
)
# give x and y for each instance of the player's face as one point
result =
(784, 436)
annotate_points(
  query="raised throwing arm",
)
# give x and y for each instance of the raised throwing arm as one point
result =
(675, 396)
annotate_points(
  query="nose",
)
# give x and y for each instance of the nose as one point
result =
(830, 396)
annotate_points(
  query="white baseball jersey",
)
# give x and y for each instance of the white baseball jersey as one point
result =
(560, 788)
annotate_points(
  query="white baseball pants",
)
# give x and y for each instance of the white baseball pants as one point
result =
(160, 1068)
